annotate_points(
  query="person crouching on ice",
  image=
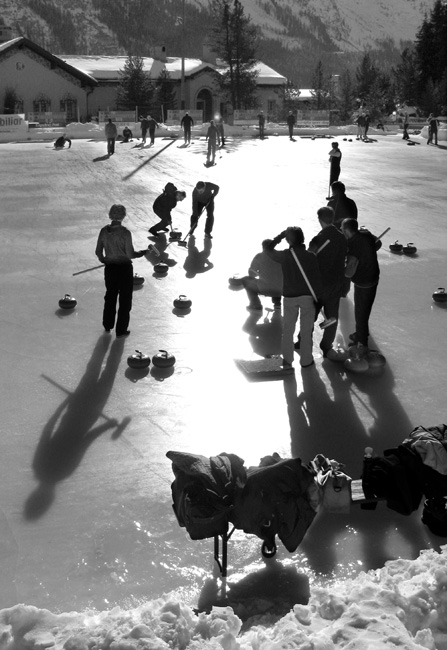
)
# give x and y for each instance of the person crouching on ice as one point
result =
(163, 205)
(61, 142)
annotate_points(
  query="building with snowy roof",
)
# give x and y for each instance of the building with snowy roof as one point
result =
(77, 86)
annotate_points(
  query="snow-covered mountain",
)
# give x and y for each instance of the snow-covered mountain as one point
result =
(296, 33)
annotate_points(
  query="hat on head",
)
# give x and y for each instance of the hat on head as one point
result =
(117, 212)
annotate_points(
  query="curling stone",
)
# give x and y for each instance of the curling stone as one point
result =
(411, 144)
(235, 280)
(138, 279)
(345, 139)
(409, 249)
(175, 234)
(161, 268)
(68, 302)
(396, 247)
(163, 359)
(375, 359)
(350, 140)
(182, 302)
(138, 361)
(356, 364)
(440, 295)
(337, 354)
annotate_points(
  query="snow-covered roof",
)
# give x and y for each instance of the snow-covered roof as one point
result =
(21, 41)
(108, 68)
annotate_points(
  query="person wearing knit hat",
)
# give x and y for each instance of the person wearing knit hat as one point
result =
(115, 250)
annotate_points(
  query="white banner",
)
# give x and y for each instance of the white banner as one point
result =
(16, 122)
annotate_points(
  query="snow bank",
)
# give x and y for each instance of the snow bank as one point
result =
(402, 605)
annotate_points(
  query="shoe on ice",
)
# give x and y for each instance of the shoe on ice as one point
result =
(209, 235)
(122, 336)
(254, 308)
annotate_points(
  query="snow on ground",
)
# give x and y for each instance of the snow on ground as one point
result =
(401, 605)
(94, 532)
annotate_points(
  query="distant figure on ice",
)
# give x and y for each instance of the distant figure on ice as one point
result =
(186, 124)
(163, 205)
(265, 278)
(203, 199)
(115, 249)
(291, 123)
(152, 125)
(127, 134)
(406, 124)
(432, 129)
(335, 161)
(111, 133)
(360, 121)
(213, 138)
(220, 128)
(342, 205)
(261, 122)
(61, 142)
(363, 269)
(366, 127)
(144, 125)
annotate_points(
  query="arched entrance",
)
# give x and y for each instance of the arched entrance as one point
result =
(204, 102)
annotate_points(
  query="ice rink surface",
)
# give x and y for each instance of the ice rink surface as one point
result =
(85, 505)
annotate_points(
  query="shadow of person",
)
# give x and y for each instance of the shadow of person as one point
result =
(102, 158)
(264, 337)
(197, 261)
(71, 429)
(274, 589)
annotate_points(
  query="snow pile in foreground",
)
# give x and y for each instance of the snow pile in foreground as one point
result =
(403, 605)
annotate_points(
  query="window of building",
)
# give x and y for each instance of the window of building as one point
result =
(271, 106)
(42, 104)
(69, 106)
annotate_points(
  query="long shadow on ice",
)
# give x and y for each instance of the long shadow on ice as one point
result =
(338, 413)
(71, 429)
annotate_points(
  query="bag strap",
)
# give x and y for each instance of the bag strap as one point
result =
(304, 275)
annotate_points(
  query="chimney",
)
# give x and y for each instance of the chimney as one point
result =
(160, 53)
(208, 55)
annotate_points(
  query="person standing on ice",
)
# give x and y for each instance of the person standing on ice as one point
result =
(111, 134)
(203, 199)
(213, 138)
(186, 124)
(291, 123)
(261, 123)
(298, 298)
(152, 125)
(363, 269)
(335, 161)
(432, 129)
(163, 205)
(144, 125)
(115, 250)
(331, 262)
(343, 206)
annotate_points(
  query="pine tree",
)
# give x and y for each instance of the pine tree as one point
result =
(235, 40)
(345, 103)
(165, 96)
(406, 78)
(320, 86)
(135, 88)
